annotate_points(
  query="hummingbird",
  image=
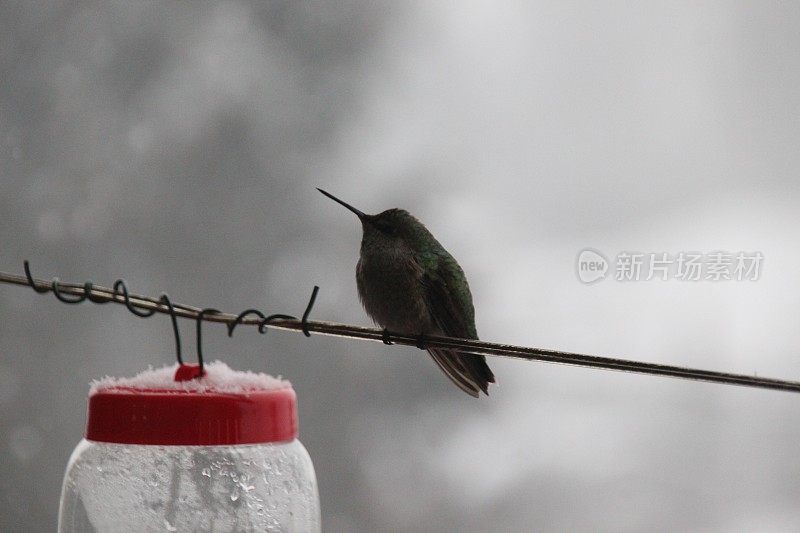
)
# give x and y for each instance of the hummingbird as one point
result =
(408, 283)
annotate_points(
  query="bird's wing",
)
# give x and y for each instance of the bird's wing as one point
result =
(449, 299)
(450, 306)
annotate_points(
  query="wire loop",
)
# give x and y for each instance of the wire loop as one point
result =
(120, 284)
(262, 328)
(88, 287)
(241, 316)
(61, 297)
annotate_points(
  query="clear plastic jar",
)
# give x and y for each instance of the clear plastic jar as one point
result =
(184, 463)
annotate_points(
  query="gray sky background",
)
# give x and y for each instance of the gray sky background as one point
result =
(178, 146)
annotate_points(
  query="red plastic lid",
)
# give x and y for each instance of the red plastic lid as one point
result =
(175, 416)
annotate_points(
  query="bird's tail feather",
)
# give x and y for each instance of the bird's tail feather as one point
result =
(468, 371)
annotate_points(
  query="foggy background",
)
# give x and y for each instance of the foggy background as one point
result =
(178, 145)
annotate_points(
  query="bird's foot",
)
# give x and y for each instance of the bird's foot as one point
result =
(421, 342)
(386, 338)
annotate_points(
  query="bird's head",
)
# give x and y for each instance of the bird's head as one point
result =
(387, 227)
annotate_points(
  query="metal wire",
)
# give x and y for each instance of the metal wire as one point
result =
(146, 306)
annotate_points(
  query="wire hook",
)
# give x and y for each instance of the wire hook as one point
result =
(200, 315)
(308, 311)
(175, 331)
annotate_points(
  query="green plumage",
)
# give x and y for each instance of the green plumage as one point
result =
(408, 283)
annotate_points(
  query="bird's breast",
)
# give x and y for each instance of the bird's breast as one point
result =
(391, 290)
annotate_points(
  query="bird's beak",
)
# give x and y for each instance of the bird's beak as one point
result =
(362, 216)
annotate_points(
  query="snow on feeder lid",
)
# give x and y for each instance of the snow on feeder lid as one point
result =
(169, 406)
